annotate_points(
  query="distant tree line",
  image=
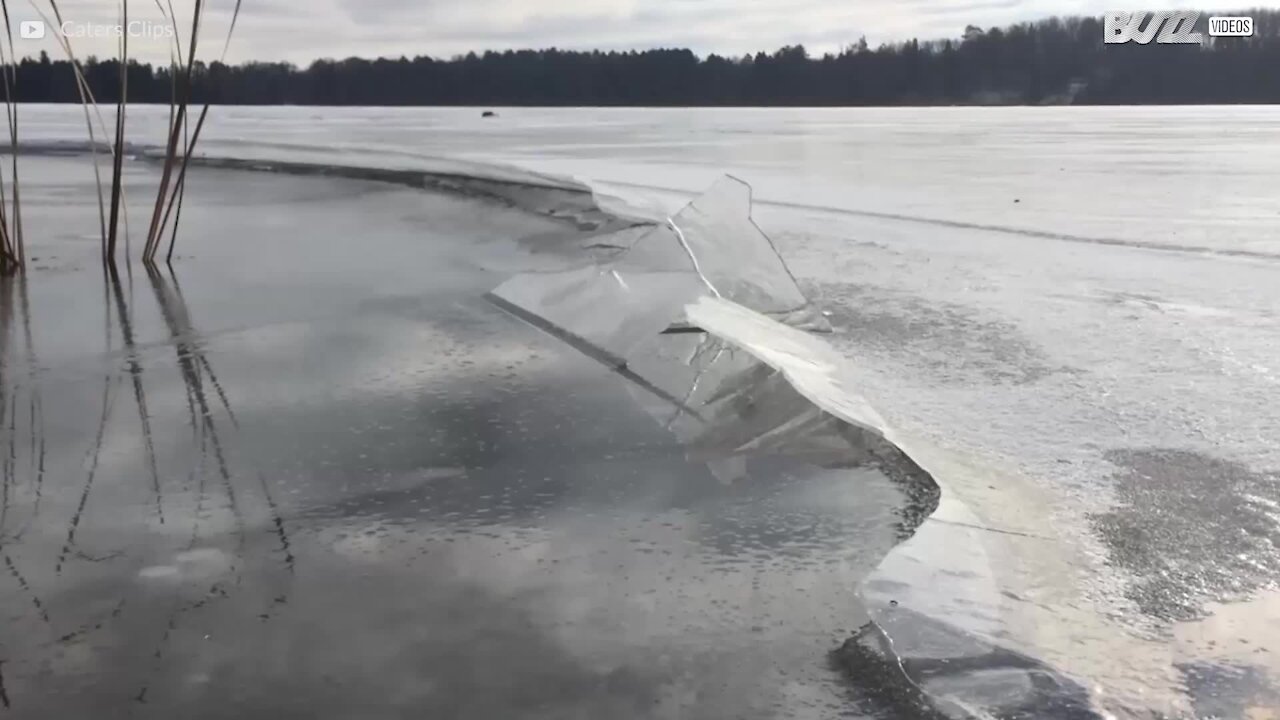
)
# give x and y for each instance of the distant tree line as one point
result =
(1058, 60)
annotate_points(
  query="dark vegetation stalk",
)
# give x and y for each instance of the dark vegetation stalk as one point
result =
(117, 165)
(6, 319)
(171, 199)
(95, 452)
(37, 403)
(180, 190)
(196, 372)
(19, 415)
(175, 68)
(180, 141)
(12, 250)
(11, 85)
(91, 474)
(87, 101)
(135, 368)
(181, 99)
(182, 193)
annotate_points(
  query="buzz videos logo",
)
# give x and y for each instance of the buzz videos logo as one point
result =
(1170, 27)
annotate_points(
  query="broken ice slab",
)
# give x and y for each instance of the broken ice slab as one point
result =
(735, 257)
(639, 289)
(732, 403)
(810, 364)
(956, 676)
(605, 313)
(753, 386)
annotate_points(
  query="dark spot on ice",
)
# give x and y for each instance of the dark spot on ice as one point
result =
(924, 332)
(1190, 528)
(488, 114)
(1149, 302)
(1228, 691)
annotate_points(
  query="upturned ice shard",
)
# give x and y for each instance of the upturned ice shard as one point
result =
(711, 248)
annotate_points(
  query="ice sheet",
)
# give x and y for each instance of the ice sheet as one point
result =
(1188, 176)
(1058, 301)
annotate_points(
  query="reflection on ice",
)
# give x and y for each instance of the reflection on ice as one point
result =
(415, 495)
(391, 497)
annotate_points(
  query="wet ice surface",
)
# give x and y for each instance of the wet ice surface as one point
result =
(1062, 368)
(313, 473)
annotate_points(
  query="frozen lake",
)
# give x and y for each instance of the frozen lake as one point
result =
(1187, 176)
(1076, 309)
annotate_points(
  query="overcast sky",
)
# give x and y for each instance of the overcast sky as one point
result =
(303, 30)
